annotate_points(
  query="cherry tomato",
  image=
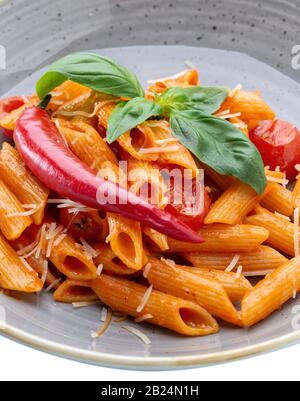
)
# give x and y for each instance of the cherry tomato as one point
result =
(84, 225)
(6, 106)
(195, 221)
(279, 145)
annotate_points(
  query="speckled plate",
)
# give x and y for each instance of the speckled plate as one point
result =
(37, 320)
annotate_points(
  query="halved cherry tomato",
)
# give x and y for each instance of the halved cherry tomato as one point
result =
(194, 221)
(279, 145)
(6, 106)
(86, 225)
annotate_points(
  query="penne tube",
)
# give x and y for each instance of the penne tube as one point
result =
(13, 218)
(146, 181)
(236, 286)
(224, 238)
(184, 79)
(296, 194)
(74, 291)
(67, 256)
(111, 263)
(15, 273)
(233, 205)
(250, 105)
(86, 143)
(125, 238)
(181, 316)
(28, 189)
(278, 199)
(271, 293)
(281, 231)
(262, 259)
(206, 292)
(170, 150)
(156, 238)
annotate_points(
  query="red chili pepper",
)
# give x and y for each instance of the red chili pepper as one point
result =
(6, 106)
(46, 155)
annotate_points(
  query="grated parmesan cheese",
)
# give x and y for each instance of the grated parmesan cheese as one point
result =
(52, 285)
(145, 299)
(239, 271)
(99, 269)
(170, 149)
(232, 115)
(168, 262)
(25, 263)
(257, 273)
(147, 269)
(233, 263)
(45, 271)
(284, 182)
(171, 77)
(143, 318)
(296, 231)
(104, 327)
(235, 90)
(142, 336)
(89, 249)
(282, 216)
(84, 304)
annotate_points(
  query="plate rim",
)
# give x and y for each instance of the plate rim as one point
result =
(146, 363)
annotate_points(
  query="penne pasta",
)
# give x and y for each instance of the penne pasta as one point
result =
(156, 238)
(184, 79)
(233, 205)
(181, 316)
(206, 292)
(281, 231)
(235, 286)
(111, 263)
(296, 194)
(250, 105)
(86, 143)
(271, 293)
(19, 179)
(262, 258)
(125, 238)
(74, 291)
(224, 238)
(278, 199)
(15, 273)
(13, 218)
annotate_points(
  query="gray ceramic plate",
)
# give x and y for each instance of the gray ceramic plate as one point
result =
(60, 329)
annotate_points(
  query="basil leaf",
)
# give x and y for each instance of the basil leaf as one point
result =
(205, 99)
(221, 146)
(128, 115)
(96, 72)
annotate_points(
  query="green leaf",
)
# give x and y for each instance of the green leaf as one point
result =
(128, 115)
(221, 146)
(96, 72)
(206, 100)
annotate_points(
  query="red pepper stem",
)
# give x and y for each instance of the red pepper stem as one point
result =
(44, 103)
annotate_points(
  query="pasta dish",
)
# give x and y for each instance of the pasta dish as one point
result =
(171, 204)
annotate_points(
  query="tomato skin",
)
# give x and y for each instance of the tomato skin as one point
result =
(194, 222)
(6, 106)
(279, 145)
(81, 225)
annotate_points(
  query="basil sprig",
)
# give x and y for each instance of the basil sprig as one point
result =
(96, 72)
(220, 145)
(128, 115)
(214, 141)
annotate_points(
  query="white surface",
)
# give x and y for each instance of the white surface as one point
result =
(21, 363)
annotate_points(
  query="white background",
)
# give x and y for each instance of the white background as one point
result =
(22, 363)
